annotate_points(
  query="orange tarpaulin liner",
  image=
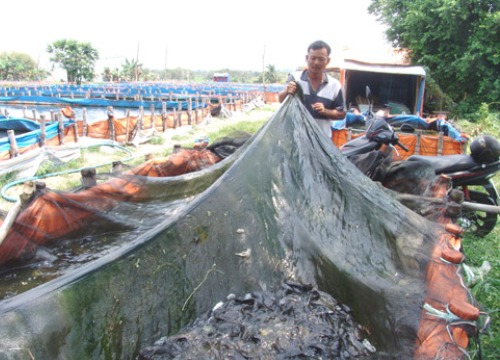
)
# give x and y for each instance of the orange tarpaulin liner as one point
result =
(52, 215)
(417, 144)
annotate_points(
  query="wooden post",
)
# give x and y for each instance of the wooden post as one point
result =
(75, 129)
(34, 115)
(52, 115)
(141, 117)
(117, 167)
(440, 143)
(196, 106)
(13, 144)
(205, 107)
(111, 123)
(175, 118)
(164, 116)
(190, 110)
(43, 135)
(28, 191)
(417, 144)
(85, 129)
(88, 177)
(179, 112)
(60, 128)
(152, 109)
(127, 126)
(24, 112)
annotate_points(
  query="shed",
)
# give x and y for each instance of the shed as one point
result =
(399, 87)
(221, 77)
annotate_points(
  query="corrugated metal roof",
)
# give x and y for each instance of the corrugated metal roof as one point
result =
(349, 64)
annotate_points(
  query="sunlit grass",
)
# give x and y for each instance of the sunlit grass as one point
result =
(478, 250)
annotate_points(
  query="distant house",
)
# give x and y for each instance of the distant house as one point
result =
(221, 77)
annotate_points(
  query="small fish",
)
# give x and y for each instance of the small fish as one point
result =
(244, 254)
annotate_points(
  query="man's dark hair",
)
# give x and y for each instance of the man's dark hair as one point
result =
(319, 44)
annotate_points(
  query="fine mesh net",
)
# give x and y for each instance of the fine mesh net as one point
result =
(141, 255)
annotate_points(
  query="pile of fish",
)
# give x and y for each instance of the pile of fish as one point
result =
(296, 322)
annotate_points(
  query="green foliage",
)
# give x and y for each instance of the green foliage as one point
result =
(194, 76)
(18, 66)
(484, 122)
(271, 76)
(456, 39)
(131, 70)
(77, 58)
(487, 290)
(157, 140)
(478, 250)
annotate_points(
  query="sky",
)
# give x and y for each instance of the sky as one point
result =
(196, 35)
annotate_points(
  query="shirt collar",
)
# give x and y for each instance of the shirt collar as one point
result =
(304, 77)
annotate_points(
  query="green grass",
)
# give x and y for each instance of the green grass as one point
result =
(477, 250)
(486, 291)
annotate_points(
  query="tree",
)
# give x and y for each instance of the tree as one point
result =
(18, 66)
(271, 75)
(111, 75)
(77, 58)
(132, 70)
(456, 39)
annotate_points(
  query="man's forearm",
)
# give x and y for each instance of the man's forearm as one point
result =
(282, 95)
(334, 114)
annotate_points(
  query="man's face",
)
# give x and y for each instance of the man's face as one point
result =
(317, 60)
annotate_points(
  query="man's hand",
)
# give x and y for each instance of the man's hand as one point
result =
(291, 88)
(319, 107)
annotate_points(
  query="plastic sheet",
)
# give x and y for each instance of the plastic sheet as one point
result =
(288, 198)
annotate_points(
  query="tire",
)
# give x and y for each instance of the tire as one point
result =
(479, 222)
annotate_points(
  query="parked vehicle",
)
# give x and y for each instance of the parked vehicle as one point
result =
(471, 174)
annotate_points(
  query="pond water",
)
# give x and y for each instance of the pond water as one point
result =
(119, 227)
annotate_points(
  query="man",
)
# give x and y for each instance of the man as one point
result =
(323, 95)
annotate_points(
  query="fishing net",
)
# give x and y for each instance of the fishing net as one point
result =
(138, 257)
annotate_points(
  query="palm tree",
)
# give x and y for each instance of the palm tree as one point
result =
(131, 70)
(271, 75)
(78, 59)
